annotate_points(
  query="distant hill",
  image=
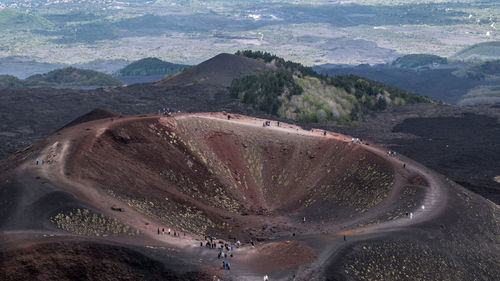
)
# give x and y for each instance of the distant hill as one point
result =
(219, 71)
(71, 76)
(15, 20)
(9, 81)
(482, 51)
(481, 95)
(437, 83)
(101, 65)
(480, 71)
(150, 66)
(293, 91)
(65, 77)
(418, 60)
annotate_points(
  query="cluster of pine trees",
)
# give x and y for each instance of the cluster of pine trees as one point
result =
(265, 91)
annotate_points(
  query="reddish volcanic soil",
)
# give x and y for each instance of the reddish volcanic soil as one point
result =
(281, 254)
(105, 188)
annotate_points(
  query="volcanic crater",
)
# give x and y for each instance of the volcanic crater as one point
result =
(207, 175)
(296, 199)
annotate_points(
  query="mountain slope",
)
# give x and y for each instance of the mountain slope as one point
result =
(295, 92)
(71, 76)
(150, 66)
(9, 81)
(487, 70)
(12, 20)
(482, 51)
(218, 71)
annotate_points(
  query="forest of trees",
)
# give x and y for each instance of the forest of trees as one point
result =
(266, 91)
(370, 89)
(480, 71)
(416, 60)
(262, 90)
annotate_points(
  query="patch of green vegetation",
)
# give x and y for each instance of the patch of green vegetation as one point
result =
(150, 66)
(9, 81)
(15, 20)
(481, 95)
(319, 102)
(296, 92)
(482, 51)
(374, 95)
(416, 60)
(480, 71)
(86, 222)
(263, 90)
(280, 63)
(71, 76)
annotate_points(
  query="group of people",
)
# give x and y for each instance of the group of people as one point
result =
(168, 111)
(225, 250)
(37, 161)
(226, 265)
(356, 140)
(169, 231)
(268, 123)
(391, 153)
